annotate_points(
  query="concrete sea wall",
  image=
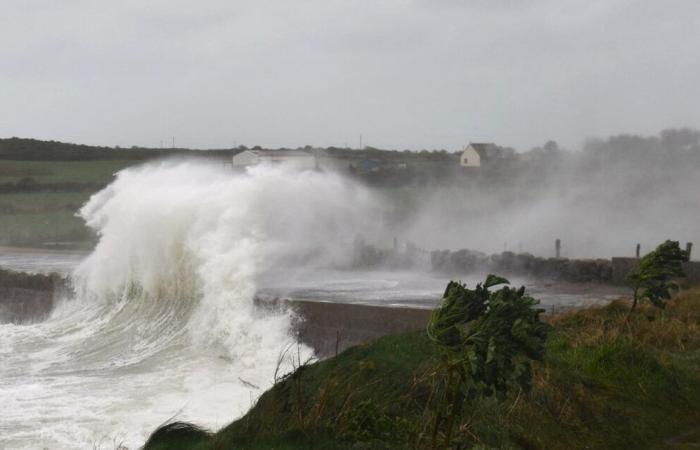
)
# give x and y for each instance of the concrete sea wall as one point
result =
(622, 266)
(28, 298)
(523, 264)
(330, 328)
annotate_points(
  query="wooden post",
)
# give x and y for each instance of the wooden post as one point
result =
(639, 247)
(688, 249)
(557, 246)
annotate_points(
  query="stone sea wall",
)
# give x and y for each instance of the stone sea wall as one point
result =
(523, 264)
(28, 298)
(330, 328)
(622, 266)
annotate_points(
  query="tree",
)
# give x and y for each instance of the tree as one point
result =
(653, 278)
(487, 341)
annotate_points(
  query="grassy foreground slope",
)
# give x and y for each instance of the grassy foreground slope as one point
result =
(604, 383)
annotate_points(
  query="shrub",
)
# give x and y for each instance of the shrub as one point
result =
(487, 341)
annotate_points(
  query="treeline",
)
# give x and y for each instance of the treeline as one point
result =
(29, 184)
(671, 147)
(35, 150)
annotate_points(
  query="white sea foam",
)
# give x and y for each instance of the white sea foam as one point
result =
(163, 322)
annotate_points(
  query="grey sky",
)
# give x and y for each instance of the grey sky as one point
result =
(432, 74)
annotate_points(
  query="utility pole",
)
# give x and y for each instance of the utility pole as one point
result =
(360, 141)
(173, 141)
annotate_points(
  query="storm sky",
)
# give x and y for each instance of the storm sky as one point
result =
(404, 74)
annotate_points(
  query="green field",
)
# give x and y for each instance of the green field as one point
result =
(45, 218)
(99, 171)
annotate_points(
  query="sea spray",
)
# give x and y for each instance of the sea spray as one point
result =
(201, 233)
(163, 323)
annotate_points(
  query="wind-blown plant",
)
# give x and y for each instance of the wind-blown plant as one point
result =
(487, 341)
(653, 278)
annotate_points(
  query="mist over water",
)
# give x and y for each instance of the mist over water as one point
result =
(600, 201)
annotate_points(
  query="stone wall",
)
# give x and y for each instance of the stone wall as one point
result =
(523, 264)
(28, 298)
(622, 266)
(333, 327)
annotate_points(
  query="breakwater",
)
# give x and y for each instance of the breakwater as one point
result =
(466, 261)
(622, 266)
(330, 328)
(523, 264)
(28, 298)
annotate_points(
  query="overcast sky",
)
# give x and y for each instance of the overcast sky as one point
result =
(404, 74)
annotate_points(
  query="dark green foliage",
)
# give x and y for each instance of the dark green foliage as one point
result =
(653, 278)
(491, 336)
(487, 341)
(37, 150)
(368, 422)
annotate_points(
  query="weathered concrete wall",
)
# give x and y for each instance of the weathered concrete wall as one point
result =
(324, 326)
(332, 327)
(622, 266)
(523, 264)
(370, 257)
(19, 305)
(28, 298)
(692, 271)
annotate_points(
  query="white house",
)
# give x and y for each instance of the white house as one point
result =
(476, 154)
(297, 159)
(471, 156)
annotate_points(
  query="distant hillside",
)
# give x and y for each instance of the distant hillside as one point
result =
(36, 150)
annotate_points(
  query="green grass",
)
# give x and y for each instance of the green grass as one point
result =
(604, 384)
(31, 202)
(99, 171)
(42, 228)
(38, 218)
(35, 218)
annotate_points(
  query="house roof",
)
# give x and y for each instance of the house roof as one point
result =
(484, 148)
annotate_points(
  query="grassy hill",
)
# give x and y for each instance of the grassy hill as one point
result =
(605, 384)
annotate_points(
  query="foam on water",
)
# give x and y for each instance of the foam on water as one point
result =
(163, 323)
